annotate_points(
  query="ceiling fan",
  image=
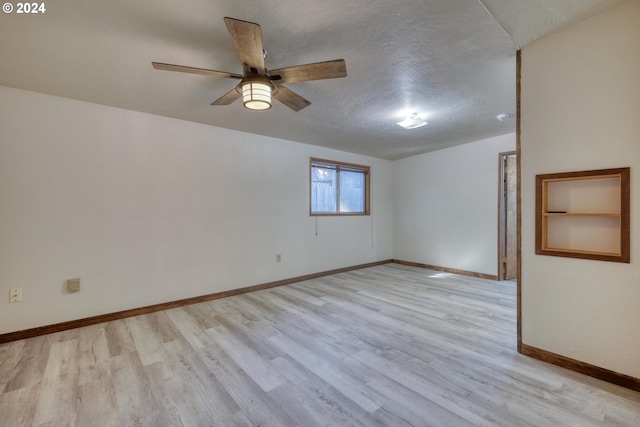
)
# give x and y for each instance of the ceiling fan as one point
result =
(257, 83)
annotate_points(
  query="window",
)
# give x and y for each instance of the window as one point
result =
(339, 188)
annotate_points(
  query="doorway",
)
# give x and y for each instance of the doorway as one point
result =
(507, 222)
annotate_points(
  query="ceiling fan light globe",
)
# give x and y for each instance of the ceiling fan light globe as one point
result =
(256, 95)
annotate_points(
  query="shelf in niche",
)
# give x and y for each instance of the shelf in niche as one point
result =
(587, 254)
(580, 214)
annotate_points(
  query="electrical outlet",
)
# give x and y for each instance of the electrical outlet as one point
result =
(15, 295)
(278, 257)
(73, 285)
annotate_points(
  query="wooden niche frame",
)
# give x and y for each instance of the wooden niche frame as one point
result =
(584, 214)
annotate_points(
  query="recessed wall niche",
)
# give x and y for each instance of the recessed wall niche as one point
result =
(584, 214)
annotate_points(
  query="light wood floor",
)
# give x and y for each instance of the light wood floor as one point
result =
(384, 346)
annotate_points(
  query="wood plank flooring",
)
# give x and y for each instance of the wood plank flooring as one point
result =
(389, 345)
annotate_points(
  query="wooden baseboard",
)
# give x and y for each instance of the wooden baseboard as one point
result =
(72, 324)
(446, 270)
(581, 367)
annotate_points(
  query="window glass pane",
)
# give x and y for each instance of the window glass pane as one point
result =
(351, 191)
(339, 188)
(323, 190)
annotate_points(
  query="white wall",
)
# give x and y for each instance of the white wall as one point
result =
(446, 206)
(581, 111)
(146, 209)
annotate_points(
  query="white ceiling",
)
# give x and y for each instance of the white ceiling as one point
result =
(451, 59)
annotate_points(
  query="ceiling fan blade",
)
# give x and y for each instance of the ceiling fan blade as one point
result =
(303, 73)
(193, 70)
(291, 99)
(228, 97)
(247, 39)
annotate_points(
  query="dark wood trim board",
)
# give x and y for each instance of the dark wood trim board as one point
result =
(446, 269)
(581, 367)
(519, 196)
(48, 329)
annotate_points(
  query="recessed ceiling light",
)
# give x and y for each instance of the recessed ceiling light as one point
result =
(412, 121)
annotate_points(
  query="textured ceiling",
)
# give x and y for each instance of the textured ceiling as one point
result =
(453, 60)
